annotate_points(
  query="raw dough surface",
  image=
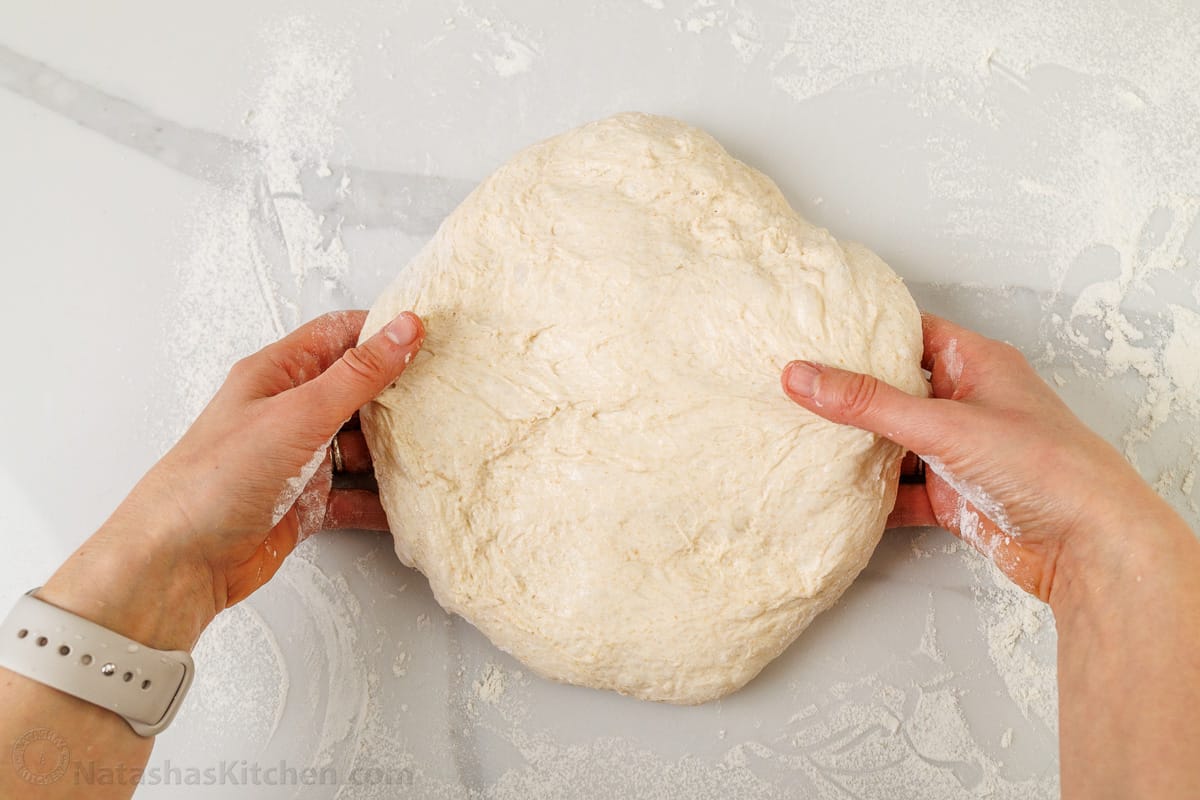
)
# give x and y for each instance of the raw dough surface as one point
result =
(591, 459)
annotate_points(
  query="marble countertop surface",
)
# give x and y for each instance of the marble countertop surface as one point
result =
(185, 183)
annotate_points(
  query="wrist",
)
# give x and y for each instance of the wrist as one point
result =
(1136, 549)
(135, 579)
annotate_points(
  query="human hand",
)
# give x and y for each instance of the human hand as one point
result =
(1010, 469)
(215, 518)
(252, 477)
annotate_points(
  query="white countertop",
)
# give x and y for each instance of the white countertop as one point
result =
(184, 182)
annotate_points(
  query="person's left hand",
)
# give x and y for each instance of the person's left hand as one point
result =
(252, 477)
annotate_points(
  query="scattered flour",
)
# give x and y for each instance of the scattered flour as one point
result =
(976, 496)
(928, 644)
(954, 364)
(294, 486)
(511, 49)
(400, 665)
(262, 261)
(238, 643)
(491, 684)
(259, 264)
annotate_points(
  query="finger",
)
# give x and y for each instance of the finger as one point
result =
(361, 373)
(310, 505)
(912, 509)
(354, 508)
(962, 518)
(850, 398)
(353, 447)
(974, 528)
(961, 361)
(940, 335)
(298, 357)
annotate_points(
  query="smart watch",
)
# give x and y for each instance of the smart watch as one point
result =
(54, 647)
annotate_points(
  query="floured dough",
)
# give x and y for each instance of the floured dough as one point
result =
(592, 459)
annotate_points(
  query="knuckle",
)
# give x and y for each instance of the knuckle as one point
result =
(338, 326)
(858, 395)
(243, 368)
(364, 362)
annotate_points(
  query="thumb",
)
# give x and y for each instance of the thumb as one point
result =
(851, 398)
(363, 372)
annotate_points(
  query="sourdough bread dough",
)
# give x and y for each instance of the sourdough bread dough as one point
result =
(592, 459)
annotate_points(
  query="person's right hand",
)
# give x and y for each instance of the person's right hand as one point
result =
(1010, 469)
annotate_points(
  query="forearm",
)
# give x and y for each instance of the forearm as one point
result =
(122, 579)
(1127, 614)
(203, 530)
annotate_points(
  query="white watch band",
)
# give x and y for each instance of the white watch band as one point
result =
(55, 647)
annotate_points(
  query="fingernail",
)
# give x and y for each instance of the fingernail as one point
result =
(802, 378)
(403, 330)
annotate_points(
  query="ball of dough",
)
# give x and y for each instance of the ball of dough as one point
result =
(592, 459)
